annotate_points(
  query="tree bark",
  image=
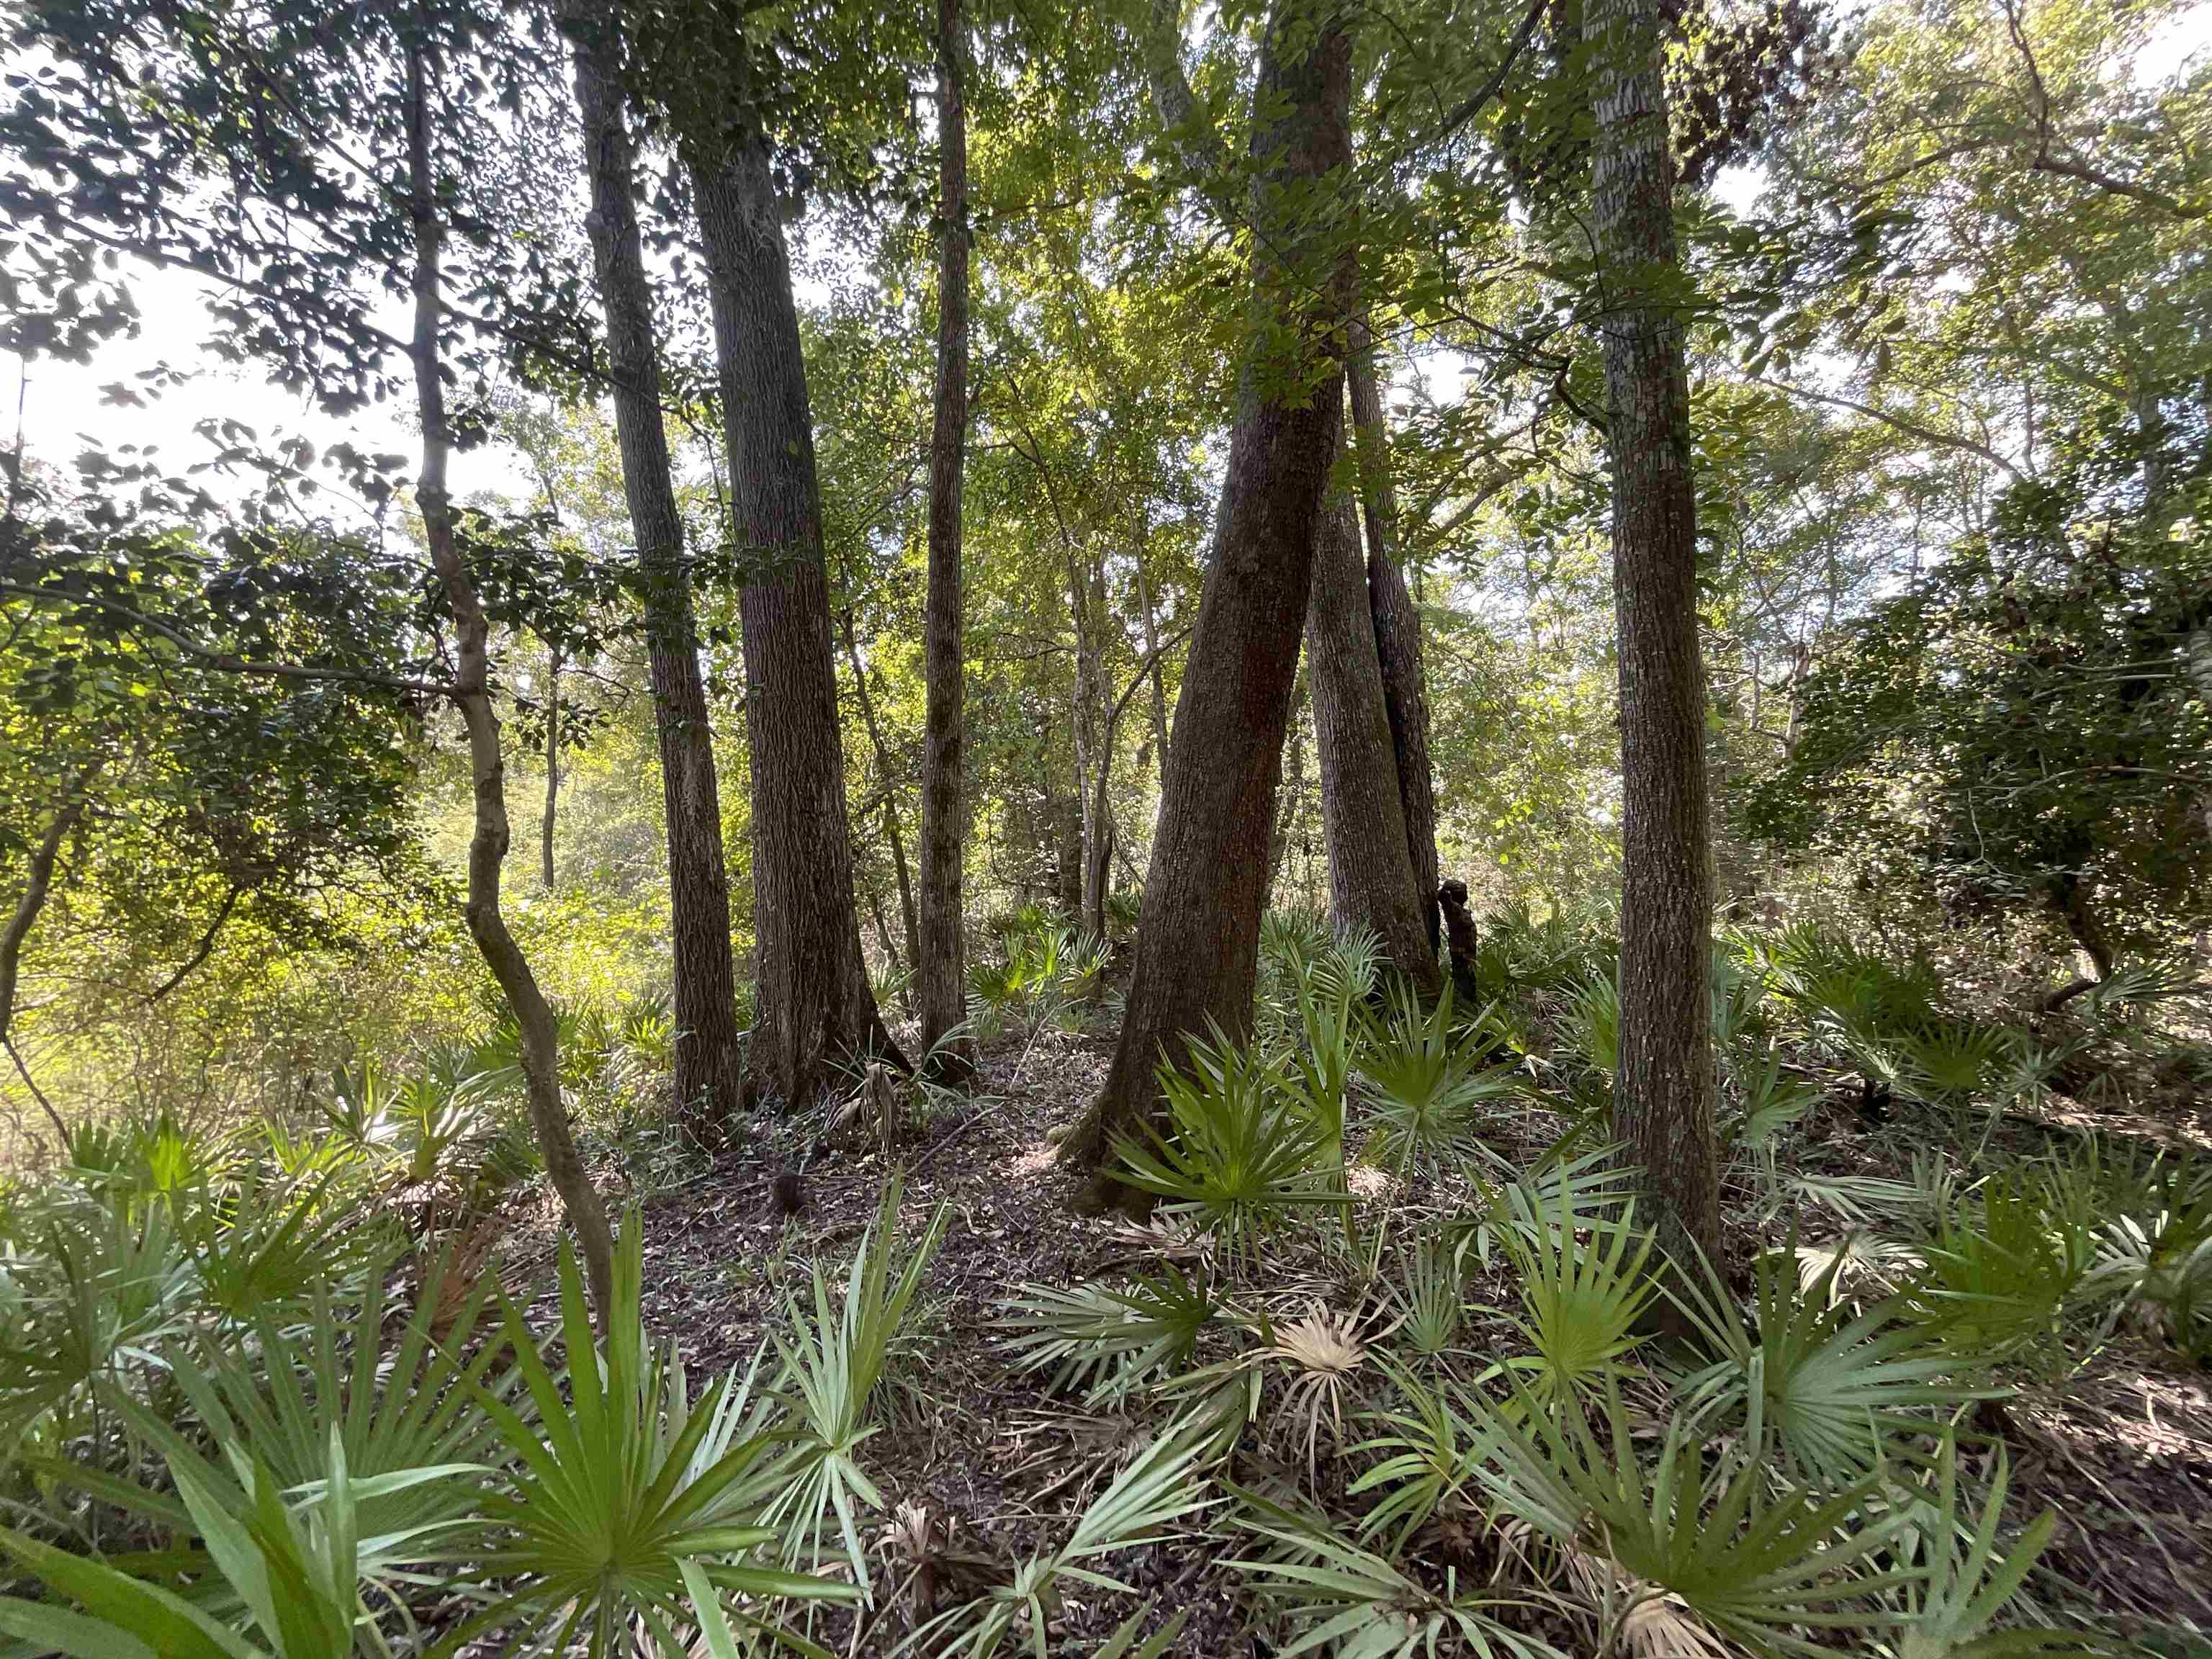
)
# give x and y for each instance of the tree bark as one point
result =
(941, 956)
(1663, 1097)
(471, 692)
(709, 1048)
(884, 775)
(1152, 656)
(1198, 936)
(552, 812)
(815, 1008)
(1370, 873)
(1397, 623)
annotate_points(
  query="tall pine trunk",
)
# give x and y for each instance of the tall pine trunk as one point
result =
(1663, 1095)
(709, 1051)
(1198, 932)
(1397, 623)
(1370, 871)
(941, 966)
(471, 695)
(815, 1007)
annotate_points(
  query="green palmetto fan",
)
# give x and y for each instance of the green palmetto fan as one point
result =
(1160, 1485)
(1422, 1457)
(1428, 1080)
(1584, 1291)
(1238, 1153)
(291, 1567)
(831, 1364)
(1819, 1388)
(1965, 1584)
(102, 1286)
(1104, 1340)
(1998, 1275)
(627, 1507)
(1342, 1598)
(1758, 1565)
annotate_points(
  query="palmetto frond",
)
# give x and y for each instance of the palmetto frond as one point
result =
(1822, 1389)
(1107, 1340)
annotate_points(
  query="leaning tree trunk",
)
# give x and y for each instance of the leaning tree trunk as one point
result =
(709, 1050)
(817, 1010)
(1199, 932)
(1370, 871)
(1397, 623)
(471, 692)
(941, 967)
(1663, 1097)
(549, 818)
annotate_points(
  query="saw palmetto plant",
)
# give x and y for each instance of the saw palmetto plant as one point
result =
(834, 1360)
(1336, 1596)
(629, 1505)
(1106, 1339)
(1759, 1565)
(1822, 1389)
(1160, 1487)
(1240, 1153)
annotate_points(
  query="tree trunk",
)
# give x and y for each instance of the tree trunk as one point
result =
(1197, 938)
(816, 1008)
(1152, 656)
(1093, 760)
(1397, 625)
(1663, 1098)
(941, 961)
(892, 830)
(551, 815)
(1371, 873)
(1289, 781)
(38, 882)
(487, 842)
(709, 1049)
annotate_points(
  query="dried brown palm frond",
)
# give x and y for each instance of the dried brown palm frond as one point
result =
(1325, 1348)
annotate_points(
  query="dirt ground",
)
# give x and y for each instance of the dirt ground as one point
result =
(994, 1469)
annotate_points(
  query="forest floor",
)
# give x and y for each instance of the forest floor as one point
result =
(994, 1466)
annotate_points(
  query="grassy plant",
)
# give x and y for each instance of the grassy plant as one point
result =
(834, 1359)
(1239, 1154)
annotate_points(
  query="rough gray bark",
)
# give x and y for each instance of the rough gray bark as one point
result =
(709, 1048)
(471, 693)
(1198, 936)
(815, 1007)
(1370, 871)
(1663, 1097)
(1397, 623)
(941, 959)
